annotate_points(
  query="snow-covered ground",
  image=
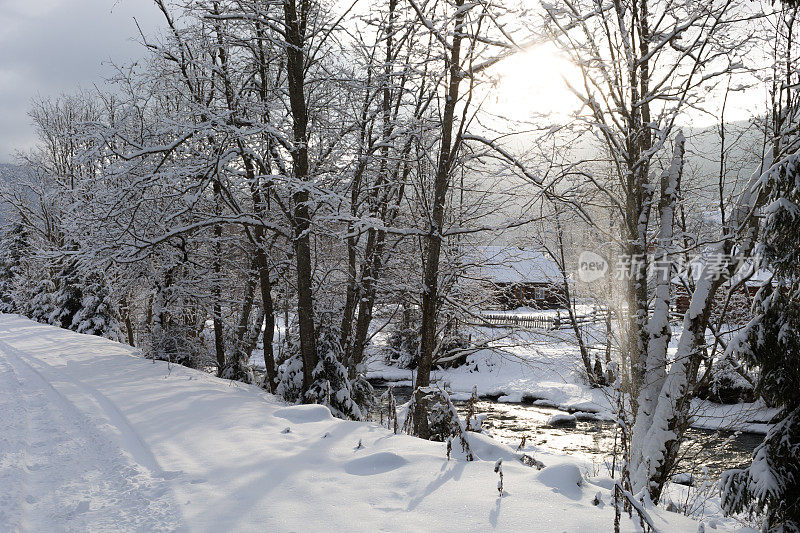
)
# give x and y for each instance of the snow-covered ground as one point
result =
(95, 438)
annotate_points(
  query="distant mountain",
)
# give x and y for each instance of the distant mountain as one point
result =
(510, 197)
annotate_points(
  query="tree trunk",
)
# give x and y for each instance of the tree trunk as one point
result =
(219, 332)
(660, 443)
(430, 292)
(658, 327)
(269, 320)
(584, 351)
(127, 318)
(237, 367)
(301, 221)
(364, 292)
(367, 302)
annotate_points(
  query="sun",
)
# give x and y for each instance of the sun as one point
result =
(535, 83)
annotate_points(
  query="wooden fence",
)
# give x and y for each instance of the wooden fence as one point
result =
(546, 322)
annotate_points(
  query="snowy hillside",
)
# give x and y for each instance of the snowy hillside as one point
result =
(94, 438)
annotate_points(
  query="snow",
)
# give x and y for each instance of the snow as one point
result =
(562, 419)
(95, 438)
(565, 479)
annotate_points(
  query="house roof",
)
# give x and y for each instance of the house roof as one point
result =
(510, 264)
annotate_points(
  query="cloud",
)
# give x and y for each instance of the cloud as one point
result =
(51, 47)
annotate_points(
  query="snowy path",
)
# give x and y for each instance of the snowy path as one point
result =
(60, 466)
(93, 438)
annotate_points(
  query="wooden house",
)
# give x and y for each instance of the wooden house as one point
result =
(517, 277)
(737, 306)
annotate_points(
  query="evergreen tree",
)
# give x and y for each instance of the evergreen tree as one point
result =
(37, 301)
(99, 312)
(13, 248)
(346, 398)
(771, 342)
(67, 298)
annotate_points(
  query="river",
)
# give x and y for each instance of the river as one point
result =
(706, 451)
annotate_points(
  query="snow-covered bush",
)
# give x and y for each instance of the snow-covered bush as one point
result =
(402, 344)
(290, 378)
(726, 385)
(444, 423)
(176, 343)
(455, 348)
(290, 367)
(39, 303)
(345, 397)
(176, 333)
(331, 386)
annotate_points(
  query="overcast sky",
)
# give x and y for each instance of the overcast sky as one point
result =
(49, 47)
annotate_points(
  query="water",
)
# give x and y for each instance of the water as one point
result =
(704, 451)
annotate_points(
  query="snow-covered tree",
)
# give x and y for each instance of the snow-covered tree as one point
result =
(770, 342)
(37, 297)
(13, 249)
(99, 310)
(642, 64)
(332, 386)
(68, 297)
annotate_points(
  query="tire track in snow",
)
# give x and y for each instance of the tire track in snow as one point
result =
(130, 440)
(78, 478)
(14, 443)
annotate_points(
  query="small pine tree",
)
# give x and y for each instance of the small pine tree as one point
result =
(332, 386)
(68, 296)
(99, 311)
(290, 379)
(38, 304)
(13, 249)
(290, 367)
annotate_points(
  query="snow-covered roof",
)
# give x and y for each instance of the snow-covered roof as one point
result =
(510, 264)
